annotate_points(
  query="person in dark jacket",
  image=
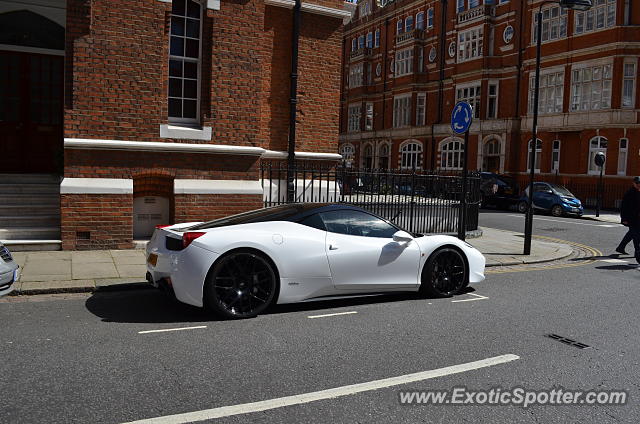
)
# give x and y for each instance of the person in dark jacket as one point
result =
(630, 217)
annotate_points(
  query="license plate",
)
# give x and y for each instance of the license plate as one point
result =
(152, 259)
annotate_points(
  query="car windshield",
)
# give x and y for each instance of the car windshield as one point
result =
(561, 190)
(275, 213)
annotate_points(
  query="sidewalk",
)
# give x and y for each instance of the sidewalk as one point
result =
(86, 271)
(605, 216)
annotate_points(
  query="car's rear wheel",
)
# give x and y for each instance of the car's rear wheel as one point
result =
(445, 273)
(522, 207)
(556, 210)
(242, 284)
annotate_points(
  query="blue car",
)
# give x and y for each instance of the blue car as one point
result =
(552, 198)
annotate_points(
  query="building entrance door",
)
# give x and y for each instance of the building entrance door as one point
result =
(31, 109)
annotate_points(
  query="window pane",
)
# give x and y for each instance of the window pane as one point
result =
(191, 89)
(177, 25)
(175, 87)
(193, 47)
(193, 9)
(190, 70)
(175, 68)
(177, 7)
(177, 46)
(190, 107)
(193, 28)
(175, 108)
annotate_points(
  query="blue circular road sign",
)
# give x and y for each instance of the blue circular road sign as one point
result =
(461, 117)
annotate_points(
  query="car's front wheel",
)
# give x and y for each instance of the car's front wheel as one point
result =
(522, 207)
(444, 274)
(242, 284)
(556, 210)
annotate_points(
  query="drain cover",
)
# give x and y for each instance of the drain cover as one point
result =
(568, 341)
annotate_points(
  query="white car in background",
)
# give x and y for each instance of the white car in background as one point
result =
(8, 271)
(240, 265)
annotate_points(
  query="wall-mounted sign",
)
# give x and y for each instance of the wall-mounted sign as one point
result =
(507, 34)
(452, 49)
(432, 54)
(378, 69)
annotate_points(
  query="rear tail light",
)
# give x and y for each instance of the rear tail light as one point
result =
(158, 227)
(190, 236)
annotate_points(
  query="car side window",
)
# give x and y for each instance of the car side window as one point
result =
(357, 223)
(540, 188)
(314, 221)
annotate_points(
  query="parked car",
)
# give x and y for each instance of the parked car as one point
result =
(8, 271)
(240, 265)
(498, 190)
(552, 198)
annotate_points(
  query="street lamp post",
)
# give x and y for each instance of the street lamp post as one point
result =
(569, 4)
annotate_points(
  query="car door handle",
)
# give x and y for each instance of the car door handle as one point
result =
(333, 246)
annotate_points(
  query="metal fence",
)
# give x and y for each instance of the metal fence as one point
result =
(419, 201)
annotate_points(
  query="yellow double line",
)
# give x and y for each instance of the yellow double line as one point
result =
(525, 268)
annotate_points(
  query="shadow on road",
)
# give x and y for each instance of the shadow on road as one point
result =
(154, 306)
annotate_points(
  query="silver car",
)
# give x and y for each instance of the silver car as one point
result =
(8, 271)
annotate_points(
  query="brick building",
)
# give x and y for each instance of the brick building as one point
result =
(406, 63)
(151, 111)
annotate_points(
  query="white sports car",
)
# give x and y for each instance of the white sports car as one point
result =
(239, 265)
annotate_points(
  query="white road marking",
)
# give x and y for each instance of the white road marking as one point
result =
(478, 297)
(246, 408)
(164, 330)
(332, 315)
(569, 222)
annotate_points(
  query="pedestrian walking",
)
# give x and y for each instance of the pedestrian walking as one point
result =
(630, 217)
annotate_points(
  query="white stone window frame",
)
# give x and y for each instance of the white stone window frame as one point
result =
(580, 86)
(538, 155)
(451, 152)
(408, 24)
(402, 110)
(601, 145)
(495, 97)
(470, 44)
(556, 146)
(629, 79)
(368, 116)
(587, 21)
(369, 42)
(491, 139)
(366, 147)
(420, 25)
(376, 39)
(403, 62)
(623, 155)
(410, 156)
(430, 13)
(384, 151)
(182, 121)
(354, 44)
(399, 26)
(354, 115)
(559, 22)
(463, 94)
(356, 75)
(557, 77)
(421, 109)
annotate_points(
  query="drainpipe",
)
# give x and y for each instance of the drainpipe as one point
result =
(293, 101)
(443, 42)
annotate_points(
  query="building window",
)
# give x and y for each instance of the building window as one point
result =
(538, 155)
(430, 18)
(369, 43)
(354, 44)
(622, 156)
(354, 118)
(383, 156)
(591, 88)
(347, 151)
(420, 21)
(451, 154)
(404, 62)
(408, 24)
(554, 24)
(355, 76)
(377, 39)
(460, 6)
(492, 105)
(629, 85)
(471, 95)
(361, 42)
(399, 26)
(550, 95)
(596, 144)
(421, 108)
(411, 156)
(474, 3)
(367, 157)
(402, 111)
(555, 156)
(601, 15)
(184, 62)
(491, 156)
(368, 117)
(470, 44)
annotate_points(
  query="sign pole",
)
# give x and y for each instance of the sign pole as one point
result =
(462, 227)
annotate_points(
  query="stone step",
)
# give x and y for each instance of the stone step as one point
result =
(29, 188)
(13, 221)
(32, 245)
(30, 179)
(36, 209)
(30, 233)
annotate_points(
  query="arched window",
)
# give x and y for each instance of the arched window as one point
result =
(383, 156)
(596, 144)
(367, 157)
(411, 156)
(491, 156)
(184, 61)
(451, 154)
(408, 24)
(370, 40)
(420, 21)
(399, 26)
(347, 151)
(538, 156)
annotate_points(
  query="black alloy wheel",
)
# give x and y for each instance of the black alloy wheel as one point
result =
(522, 207)
(445, 273)
(556, 210)
(242, 285)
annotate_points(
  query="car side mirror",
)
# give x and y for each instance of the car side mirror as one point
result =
(402, 236)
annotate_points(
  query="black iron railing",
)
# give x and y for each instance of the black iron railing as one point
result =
(419, 201)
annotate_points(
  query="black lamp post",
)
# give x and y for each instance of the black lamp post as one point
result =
(569, 4)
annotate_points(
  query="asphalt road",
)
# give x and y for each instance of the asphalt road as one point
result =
(82, 358)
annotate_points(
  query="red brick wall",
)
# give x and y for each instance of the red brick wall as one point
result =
(205, 207)
(107, 219)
